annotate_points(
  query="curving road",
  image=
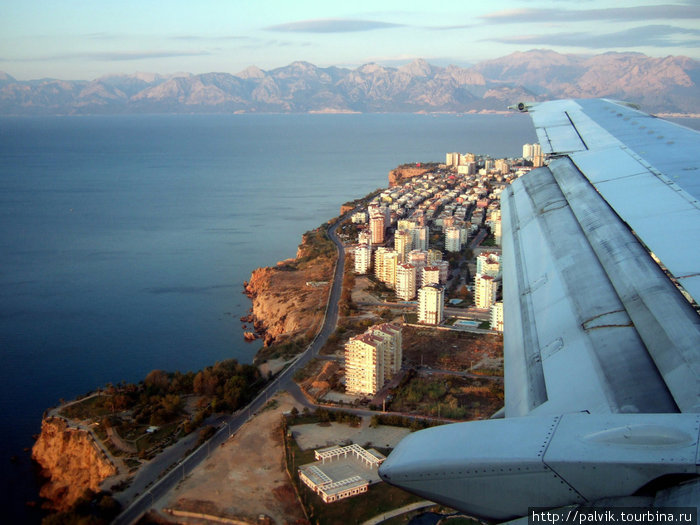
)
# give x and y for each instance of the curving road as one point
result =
(162, 476)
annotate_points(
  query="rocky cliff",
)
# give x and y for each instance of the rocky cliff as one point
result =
(71, 461)
(289, 299)
(401, 174)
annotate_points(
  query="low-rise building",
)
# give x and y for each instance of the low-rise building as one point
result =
(341, 472)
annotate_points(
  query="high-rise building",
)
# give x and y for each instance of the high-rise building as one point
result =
(502, 166)
(444, 268)
(390, 263)
(376, 227)
(431, 304)
(527, 152)
(403, 242)
(453, 239)
(467, 158)
(537, 157)
(488, 263)
(363, 258)
(430, 275)
(364, 237)
(497, 231)
(372, 358)
(417, 258)
(485, 289)
(434, 256)
(420, 237)
(379, 261)
(390, 334)
(385, 261)
(497, 316)
(406, 281)
(364, 364)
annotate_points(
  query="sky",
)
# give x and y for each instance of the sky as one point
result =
(87, 39)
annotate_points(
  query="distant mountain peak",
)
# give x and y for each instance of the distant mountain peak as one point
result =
(418, 68)
(251, 72)
(668, 84)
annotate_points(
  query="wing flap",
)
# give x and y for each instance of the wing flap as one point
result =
(565, 350)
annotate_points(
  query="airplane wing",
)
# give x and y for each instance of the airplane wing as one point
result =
(601, 285)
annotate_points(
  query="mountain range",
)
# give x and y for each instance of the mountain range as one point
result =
(658, 85)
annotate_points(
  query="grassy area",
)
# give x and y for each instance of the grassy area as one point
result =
(380, 497)
(450, 397)
(88, 408)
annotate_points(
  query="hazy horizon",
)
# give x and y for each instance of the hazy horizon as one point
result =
(85, 40)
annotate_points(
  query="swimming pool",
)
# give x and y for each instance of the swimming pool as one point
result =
(464, 322)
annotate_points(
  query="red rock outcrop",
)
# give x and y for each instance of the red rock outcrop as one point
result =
(289, 299)
(401, 174)
(71, 461)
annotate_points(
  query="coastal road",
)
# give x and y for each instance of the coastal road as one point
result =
(160, 479)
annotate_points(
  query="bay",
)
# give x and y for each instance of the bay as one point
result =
(125, 240)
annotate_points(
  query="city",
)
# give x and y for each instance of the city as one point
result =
(435, 223)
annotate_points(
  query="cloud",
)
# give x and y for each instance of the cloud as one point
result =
(644, 36)
(450, 28)
(331, 25)
(200, 38)
(618, 14)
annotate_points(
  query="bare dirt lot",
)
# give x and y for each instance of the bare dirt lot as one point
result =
(482, 353)
(245, 477)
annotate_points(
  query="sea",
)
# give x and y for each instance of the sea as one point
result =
(125, 240)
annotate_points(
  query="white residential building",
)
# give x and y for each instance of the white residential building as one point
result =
(406, 281)
(431, 304)
(417, 258)
(485, 289)
(420, 237)
(372, 358)
(363, 258)
(444, 268)
(364, 237)
(453, 241)
(430, 275)
(359, 218)
(403, 243)
(497, 316)
(488, 263)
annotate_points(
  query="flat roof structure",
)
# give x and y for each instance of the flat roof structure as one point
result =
(341, 472)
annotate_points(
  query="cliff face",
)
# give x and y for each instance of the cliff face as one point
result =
(71, 461)
(289, 299)
(399, 175)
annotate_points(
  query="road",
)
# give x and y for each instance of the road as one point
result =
(164, 473)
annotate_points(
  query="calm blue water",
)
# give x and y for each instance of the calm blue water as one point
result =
(124, 241)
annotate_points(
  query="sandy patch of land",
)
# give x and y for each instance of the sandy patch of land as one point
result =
(245, 477)
(316, 435)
